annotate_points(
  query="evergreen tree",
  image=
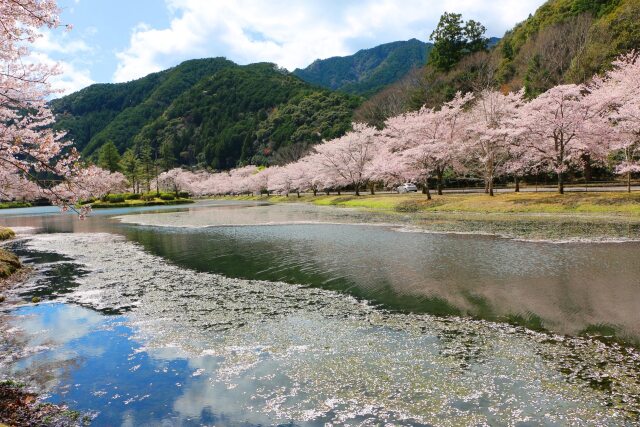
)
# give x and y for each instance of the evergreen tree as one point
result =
(147, 165)
(167, 159)
(448, 41)
(109, 157)
(130, 167)
(453, 38)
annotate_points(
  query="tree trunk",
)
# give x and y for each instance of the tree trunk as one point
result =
(560, 183)
(357, 190)
(439, 183)
(327, 192)
(339, 192)
(588, 170)
(425, 189)
(491, 187)
(315, 192)
(517, 184)
(298, 193)
(373, 189)
(628, 182)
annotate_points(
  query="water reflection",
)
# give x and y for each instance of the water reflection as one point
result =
(569, 287)
(198, 348)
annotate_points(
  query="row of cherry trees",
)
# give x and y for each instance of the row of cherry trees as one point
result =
(35, 161)
(490, 134)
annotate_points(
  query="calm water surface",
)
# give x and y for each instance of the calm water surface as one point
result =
(227, 314)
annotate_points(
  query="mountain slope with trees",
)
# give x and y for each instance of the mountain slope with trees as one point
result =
(103, 112)
(369, 70)
(564, 41)
(211, 112)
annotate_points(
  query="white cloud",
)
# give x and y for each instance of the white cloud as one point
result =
(294, 33)
(69, 54)
(71, 77)
(59, 43)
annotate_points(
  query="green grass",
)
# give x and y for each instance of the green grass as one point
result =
(6, 233)
(9, 263)
(611, 203)
(12, 205)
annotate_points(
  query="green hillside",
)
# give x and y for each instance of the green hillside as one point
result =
(564, 41)
(117, 112)
(247, 114)
(369, 70)
(207, 111)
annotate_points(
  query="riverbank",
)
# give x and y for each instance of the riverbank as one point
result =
(536, 216)
(20, 407)
(614, 203)
(9, 263)
(140, 203)
(13, 205)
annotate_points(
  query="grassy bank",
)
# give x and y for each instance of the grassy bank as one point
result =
(613, 203)
(6, 233)
(536, 216)
(9, 263)
(13, 205)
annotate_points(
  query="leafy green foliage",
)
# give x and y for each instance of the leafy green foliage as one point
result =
(565, 41)
(109, 158)
(453, 38)
(117, 112)
(593, 33)
(210, 112)
(244, 114)
(369, 70)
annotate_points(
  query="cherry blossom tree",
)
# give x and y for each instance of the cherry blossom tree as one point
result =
(489, 129)
(14, 186)
(617, 96)
(176, 180)
(28, 146)
(349, 156)
(558, 128)
(427, 142)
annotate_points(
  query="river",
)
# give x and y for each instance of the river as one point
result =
(233, 313)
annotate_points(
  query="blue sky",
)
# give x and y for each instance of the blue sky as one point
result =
(117, 40)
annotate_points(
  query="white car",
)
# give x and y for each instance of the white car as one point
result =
(407, 188)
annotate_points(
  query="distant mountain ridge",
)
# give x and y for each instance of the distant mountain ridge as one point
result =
(368, 70)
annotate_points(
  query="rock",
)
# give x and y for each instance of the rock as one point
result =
(36, 300)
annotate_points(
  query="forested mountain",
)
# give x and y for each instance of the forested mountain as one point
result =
(210, 112)
(117, 112)
(369, 70)
(565, 41)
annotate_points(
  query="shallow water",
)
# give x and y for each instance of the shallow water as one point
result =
(188, 323)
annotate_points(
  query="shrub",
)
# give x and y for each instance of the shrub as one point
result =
(184, 195)
(132, 196)
(167, 196)
(115, 198)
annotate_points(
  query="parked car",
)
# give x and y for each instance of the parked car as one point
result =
(407, 187)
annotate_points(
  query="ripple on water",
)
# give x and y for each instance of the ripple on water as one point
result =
(313, 355)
